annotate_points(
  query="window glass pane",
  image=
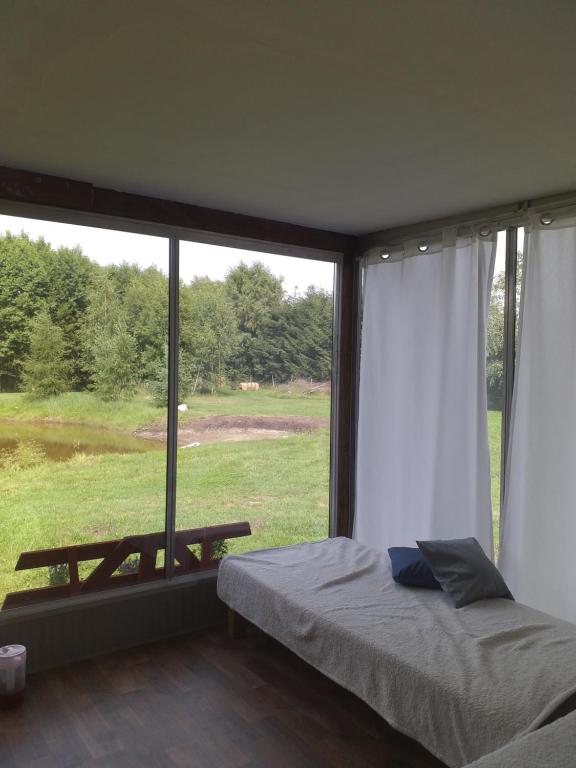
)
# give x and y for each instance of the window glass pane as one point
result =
(519, 272)
(83, 345)
(495, 375)
(254, 397)
(495, 364)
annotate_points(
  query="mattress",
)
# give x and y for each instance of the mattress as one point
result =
(463, 683)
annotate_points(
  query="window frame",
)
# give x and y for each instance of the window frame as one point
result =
(509, 361)
(338, 506)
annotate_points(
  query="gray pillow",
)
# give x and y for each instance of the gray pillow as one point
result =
(463, 570)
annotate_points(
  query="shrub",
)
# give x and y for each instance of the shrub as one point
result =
(46, 371)
(28, 453)
(58, 574)
(218, 549)
(159, 384)
(130, 565)
(114, 374)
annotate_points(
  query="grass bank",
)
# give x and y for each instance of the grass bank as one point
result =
(80, 408)
(494, 443)
(127, 416)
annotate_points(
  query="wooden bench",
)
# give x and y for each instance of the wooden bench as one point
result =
(113, 554)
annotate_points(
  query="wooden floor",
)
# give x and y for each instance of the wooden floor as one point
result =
(201, 701)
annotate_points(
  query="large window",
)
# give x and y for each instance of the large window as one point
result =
(255, 368)
(83, 330)
(86, 320)
(500, 355)
(495, 375)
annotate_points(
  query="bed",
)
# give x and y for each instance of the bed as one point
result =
(553, 746)
(463, 683)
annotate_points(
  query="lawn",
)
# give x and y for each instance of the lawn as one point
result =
(127, 416)
(494, 438)
(80, 408)
(280, 486)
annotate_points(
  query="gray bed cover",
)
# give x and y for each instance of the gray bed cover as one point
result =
(463, 683)
(553, 746)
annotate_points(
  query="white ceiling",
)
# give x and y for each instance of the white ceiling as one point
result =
(351, 115)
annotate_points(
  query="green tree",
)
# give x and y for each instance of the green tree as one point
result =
(495, 335)
(308, 335)
(23, 289)
(69, 274)
(136, 298)
(144, 300)
(158, 384)
(102, 312)
(110, 351)
(208, 334)
(257, 297)
(495, 344)
(35, 276)
(46, 371)
(114, 374)
(114, 322)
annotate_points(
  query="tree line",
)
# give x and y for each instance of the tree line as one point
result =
(495, 335)
(67, 323)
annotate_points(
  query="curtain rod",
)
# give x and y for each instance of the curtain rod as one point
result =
(505, 215)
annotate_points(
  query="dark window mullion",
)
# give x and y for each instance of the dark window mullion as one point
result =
(509, 348)
(172, 447)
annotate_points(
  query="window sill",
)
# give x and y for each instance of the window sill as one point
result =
(104, 597)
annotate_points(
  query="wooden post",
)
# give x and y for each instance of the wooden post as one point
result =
(236, 625)
(345, 450)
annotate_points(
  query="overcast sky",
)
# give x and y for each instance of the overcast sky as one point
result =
(500, 265)
(106, 246)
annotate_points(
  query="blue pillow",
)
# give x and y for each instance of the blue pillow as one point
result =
(411, 569)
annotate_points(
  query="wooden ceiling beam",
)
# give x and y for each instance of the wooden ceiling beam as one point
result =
(57, 192)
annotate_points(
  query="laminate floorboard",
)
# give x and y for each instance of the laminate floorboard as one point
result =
(200, 701)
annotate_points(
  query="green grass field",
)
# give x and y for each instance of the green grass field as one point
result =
(127, 416)
(80, 408)
(280, 486)
(494, 438)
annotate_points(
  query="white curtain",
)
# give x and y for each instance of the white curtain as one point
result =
(538, 530)
(423, 464)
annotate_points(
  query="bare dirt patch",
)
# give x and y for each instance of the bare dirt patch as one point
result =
(220, 429)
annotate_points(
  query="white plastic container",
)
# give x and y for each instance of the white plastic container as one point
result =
(12, 675)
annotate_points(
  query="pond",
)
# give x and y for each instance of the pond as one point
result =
(61, 442)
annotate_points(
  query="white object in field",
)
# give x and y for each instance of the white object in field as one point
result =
(183, 407)
(191, 445)
(249, 386)
(12, 669)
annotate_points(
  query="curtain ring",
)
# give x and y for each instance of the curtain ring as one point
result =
(546, 219)
(423, 247)
(385, 255)
(484, 231)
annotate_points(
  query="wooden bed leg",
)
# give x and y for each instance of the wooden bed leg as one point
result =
(236, 625)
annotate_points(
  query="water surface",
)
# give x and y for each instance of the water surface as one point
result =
(62, 441)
